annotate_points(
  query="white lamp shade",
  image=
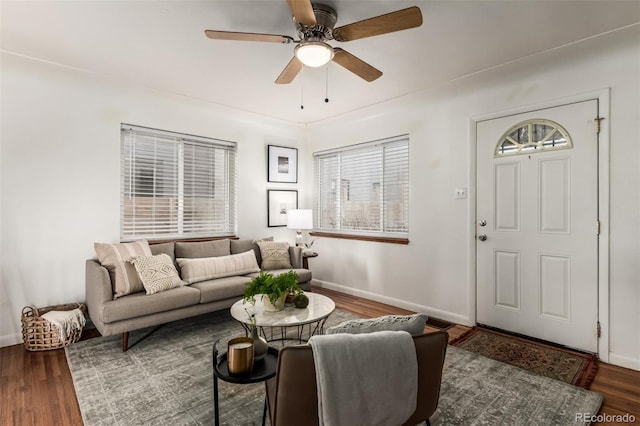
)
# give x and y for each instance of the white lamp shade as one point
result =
(300, 219)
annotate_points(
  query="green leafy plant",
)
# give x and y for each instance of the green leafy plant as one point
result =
(272, 287)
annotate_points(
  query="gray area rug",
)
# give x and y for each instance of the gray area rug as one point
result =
(166, 379)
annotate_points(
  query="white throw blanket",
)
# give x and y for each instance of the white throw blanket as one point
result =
(365, 379)
(66, 321)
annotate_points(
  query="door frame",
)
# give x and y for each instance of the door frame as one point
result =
(602, 96)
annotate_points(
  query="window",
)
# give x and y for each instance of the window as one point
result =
(533, 136)
(364, 189)
(176, 185)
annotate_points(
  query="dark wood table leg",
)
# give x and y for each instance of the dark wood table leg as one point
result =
(264, 412)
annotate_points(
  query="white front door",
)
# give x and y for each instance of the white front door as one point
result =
(537, 212)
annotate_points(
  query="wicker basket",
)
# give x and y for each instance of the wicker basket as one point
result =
(39, 334)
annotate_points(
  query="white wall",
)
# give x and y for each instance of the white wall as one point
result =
(435, 272)
(60, 173)
(59, 178)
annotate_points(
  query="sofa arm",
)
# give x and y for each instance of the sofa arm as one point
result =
(98, 290)
(295, 256)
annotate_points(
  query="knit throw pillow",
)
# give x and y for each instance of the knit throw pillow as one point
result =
(275, 255)
(412, 324)
(114, 257)
(157, 273)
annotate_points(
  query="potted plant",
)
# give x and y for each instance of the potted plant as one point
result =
(275, 288)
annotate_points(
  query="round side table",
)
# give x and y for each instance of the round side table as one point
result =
(262, 370)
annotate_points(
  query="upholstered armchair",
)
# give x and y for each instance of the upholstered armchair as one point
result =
(292, 395)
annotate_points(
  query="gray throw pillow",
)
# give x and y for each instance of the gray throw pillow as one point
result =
(412, 324)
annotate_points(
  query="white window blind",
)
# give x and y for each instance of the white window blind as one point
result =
(176, 185)
(364, 188)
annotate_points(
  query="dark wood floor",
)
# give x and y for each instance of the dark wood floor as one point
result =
(36, 387)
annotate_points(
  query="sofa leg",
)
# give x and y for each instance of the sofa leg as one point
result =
(125, 341)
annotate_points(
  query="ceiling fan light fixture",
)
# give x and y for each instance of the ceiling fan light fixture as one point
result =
(314, 53)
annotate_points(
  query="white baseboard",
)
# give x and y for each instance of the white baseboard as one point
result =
(10, 340)
(624, 361)
(615, 359)
(444, 315)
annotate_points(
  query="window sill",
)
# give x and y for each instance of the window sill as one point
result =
(191, 240)
(390, 240)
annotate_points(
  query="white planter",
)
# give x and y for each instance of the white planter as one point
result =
(279, 305)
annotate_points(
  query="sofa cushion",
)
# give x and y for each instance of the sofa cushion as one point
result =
(412, 324)
(275, 255)
(304, 275)
(202, 249)
(141, 304)
(240, 246)
(207, 268)
(166, 248)
(114, 257)
(157, 273)
(222, 288)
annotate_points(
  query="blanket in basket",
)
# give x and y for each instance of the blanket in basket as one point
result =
(66, 321)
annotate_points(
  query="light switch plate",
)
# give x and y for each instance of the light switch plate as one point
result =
(461, 193)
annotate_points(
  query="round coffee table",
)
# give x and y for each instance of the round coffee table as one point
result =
(312, 318)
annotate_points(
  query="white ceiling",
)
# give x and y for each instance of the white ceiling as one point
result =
(161, 45)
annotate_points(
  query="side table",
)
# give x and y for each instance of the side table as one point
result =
(305, 259)
(262, 370)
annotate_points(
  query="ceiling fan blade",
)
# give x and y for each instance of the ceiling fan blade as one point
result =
(355, 65)
(289, 72)
(230, 35)
(383, 24)
(303, 12)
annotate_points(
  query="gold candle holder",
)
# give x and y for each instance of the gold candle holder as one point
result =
(240, 355)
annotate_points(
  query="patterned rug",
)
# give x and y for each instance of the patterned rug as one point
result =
(571, 367)
(166, 379)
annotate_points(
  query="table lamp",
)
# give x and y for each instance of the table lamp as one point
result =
(299, 219)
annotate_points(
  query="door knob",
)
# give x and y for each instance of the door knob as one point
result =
(482, 237)
(482, 223)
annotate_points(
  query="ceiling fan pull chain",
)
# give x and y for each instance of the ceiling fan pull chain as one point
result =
(326, 84)
(302, 89)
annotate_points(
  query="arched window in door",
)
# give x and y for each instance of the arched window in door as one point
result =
(532, 136)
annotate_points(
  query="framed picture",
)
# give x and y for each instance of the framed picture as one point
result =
(283, 164)
(278, 202)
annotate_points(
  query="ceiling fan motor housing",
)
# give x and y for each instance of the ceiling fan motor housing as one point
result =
(326, 18)
(315, 25)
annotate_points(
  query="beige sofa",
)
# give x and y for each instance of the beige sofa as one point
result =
(139, 310)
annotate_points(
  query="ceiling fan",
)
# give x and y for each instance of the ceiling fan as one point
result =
(315, 24)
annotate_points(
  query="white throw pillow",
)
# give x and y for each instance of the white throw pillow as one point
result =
(275, 255)
(157, 273)
(208, 268)
(114, 257)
